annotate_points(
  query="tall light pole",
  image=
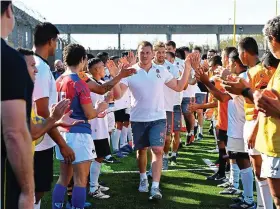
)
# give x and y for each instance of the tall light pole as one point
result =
(234, 26)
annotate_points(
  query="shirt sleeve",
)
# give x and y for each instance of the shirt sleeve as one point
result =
(167, 76)
(83, 92)
(42, 83)
(124, 81)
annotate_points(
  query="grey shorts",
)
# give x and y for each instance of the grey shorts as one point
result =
(169, 123)
(149, 134)
(200, 98)
(177, 118)
(185, 104)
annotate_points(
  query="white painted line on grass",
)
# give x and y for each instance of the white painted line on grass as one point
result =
(183, 169)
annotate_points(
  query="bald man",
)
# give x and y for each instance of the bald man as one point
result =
(59, 68)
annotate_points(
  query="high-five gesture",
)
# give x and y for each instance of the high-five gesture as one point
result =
(113, 69)
(131, 58)
(195, 60)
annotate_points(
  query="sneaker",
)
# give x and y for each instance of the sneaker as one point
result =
(119, 154)
(214, 151)
(220, 178)
(231, 191)
(111, 160)
(165, 164)
(150, 173)
(126, 149)
(103, 188)
(216, 177)
(199, 137)
(98, 194)
(173, 161)
(238, 199)
(211, 132)
(224, 185)
(243, 205)
(155, 194)
(143, 186)
(69, 205)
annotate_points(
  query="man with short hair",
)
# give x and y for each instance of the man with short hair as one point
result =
(58, 69)
(44, 96)
(148, 116)
(17, 177)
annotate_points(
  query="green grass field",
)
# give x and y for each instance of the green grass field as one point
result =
(181, 188)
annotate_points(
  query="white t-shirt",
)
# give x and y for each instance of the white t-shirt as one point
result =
(124, 102)
(99, 126)
(236, 115)
(181, 66)
(44, 86)
(147, 101)
(170, 94)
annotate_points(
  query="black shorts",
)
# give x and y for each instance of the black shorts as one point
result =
(238, 155)
(10, 189)
(102, 147)
(222, 136)
(43, 170)
(121, 116)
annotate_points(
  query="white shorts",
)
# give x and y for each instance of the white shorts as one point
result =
(248, 128)
(235, 145)
(111, 121)
(82, 145)
(270, 167)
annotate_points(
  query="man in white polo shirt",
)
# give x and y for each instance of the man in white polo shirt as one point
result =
(169, 97)
(148, 116)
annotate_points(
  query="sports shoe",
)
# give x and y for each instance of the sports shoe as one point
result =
(119, 154)
(155, 194)
(216, 177)
(165, 164)
(199, 137)
(126, 149)
(103, 188)
(224, 185)
(231, 191)
(150, 173)
(69, 205)
(238, 199)
(111, 160)
(144, 185)
(243, 205)
(173, 161)
(98, 194)
(220, 178)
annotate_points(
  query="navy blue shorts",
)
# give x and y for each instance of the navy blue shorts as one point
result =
(149, 134)
(177, 125)
(185, 103)
(200, 98)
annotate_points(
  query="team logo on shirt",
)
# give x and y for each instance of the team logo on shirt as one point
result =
(158, 75)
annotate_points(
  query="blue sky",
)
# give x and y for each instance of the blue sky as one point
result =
(150, 12)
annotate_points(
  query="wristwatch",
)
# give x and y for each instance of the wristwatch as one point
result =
(245, 92)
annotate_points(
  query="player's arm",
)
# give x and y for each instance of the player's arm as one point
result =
(212, 104)
(18, 143)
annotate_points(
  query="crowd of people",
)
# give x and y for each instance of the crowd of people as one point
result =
(90, 105)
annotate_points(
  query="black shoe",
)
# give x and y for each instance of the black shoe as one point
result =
(211, 132)
(111, 160)
(213, 177)
(243, 205)
(220, 177)
(188, 142)
(173, 160)
(216, 177)
(238, 199)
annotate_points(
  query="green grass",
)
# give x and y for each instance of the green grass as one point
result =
(181, 189)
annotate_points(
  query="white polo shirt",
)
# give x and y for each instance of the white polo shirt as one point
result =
(124, 102)
(191, 89)
(44, 86)
(181, 66)
(170, 94)
(147, 89)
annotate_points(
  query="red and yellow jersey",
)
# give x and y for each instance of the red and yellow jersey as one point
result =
(258, 77)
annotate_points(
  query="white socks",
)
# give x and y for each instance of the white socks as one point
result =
(143, 176)
(123, 139)
(165, 156)
(95, 168)
(247, 181)
(234, 175)
(155, 184)
(115, 139)
(264, 193)
(200, 129)
(37, 206)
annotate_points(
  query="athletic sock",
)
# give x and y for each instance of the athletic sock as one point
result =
(37, 206)
(78, 197)
(123, 139)
(115, 139)
(247, 182)
(265, 194)
(58, 196)
(174, 154)
(95, 168)
(222, 162)
(200, 129)
(165, 156)
(155, 184)
(234, 175)
(143, 176)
